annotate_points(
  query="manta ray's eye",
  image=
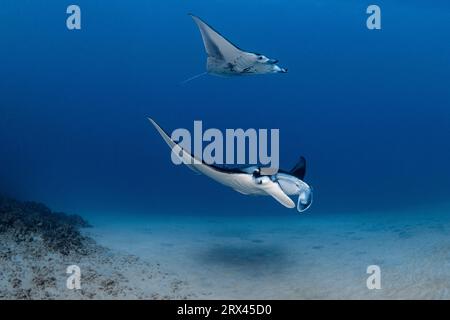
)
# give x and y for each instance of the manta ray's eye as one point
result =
(260, 57)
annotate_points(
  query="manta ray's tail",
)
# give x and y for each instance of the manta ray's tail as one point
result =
(193, 78)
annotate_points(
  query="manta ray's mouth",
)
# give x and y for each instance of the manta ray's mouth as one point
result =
(305, 200)
(277, 69)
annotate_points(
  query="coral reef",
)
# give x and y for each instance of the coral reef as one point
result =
(30, 221)
(37, 245)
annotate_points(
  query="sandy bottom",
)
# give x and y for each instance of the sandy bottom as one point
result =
(290, 257)
(28, 270)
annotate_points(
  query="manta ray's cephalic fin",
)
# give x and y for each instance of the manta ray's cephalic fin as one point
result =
(278, 194)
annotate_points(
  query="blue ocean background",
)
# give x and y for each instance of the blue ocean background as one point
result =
(370, 110)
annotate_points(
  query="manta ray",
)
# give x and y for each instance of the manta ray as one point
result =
(251, 180)
(226, 59)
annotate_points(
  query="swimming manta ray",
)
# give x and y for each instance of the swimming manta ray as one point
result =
(225, 59)
(251, 180)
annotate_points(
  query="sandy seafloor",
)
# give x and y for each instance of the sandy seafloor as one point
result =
(291, 256)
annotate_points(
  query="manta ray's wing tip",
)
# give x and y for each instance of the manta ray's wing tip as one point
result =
(151, 121)
(195, 18)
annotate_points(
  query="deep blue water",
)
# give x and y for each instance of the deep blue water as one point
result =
(370, 110)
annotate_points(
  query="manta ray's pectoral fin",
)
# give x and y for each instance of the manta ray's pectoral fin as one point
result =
(277, 193)
(241, 192)
(194, 169)
(183, 155)
(299, 169)
(188, 159)
(216, 45)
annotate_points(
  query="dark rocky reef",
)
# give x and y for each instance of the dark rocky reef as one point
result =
(32, 221)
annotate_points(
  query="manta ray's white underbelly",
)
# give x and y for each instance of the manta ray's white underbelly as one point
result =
(225, 68)
(242, 183)
(246, 184)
